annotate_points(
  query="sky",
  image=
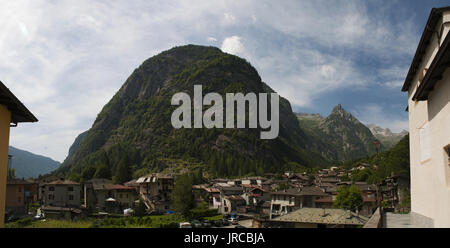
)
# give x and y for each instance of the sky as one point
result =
(66, 59)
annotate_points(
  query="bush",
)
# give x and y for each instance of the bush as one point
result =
(25, 222)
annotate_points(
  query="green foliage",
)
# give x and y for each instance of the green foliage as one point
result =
(182, 195)
(394, 161)
(123, 172)
(103, 171)
(11, 173)
(349, 198)
(140, 209)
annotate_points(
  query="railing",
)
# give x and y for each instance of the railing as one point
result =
(377, 219)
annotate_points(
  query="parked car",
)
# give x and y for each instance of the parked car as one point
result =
(234, 221)
(207, 223)
(217, 223)
(185, 225)
(225, 222)
(196, 224)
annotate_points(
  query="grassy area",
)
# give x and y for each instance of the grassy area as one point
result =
(212, 218)
(50, 224)
(159, 221)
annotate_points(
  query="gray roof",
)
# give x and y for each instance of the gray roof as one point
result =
(302, 191)
(323, 216)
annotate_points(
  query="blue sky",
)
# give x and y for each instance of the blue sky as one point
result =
(66, 59)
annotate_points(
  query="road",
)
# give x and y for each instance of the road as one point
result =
(244, 223)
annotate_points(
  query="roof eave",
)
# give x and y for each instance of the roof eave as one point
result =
(424, 40)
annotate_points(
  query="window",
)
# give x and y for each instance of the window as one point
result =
(19, 200)
(70, 197)
(424, 140)
(70, 189)
(51, 188)
(447, 151)
(51, 197)
(20, 189)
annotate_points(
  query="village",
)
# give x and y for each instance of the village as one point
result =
(275, 200)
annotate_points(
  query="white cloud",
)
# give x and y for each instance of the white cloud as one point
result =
(211, 39)
(66, 59)
(233, 45)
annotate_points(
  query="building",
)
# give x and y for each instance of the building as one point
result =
(286, 201)
(155, 190)
(232, 204)
(62, 193)
(20, 193)
(318, 218)
(98, 191)
(428, 87)
(207, 193)
(12, 112)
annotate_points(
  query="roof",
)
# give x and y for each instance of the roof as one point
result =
(434, 74)
(323, 216)
(303, 191)
(19, 113)
(63, 182)
(152, 178)
(19, 181)
(433, 19)
(105, 184)
(234, 198)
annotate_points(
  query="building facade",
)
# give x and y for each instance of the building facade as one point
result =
(12, 111)
(428, 87)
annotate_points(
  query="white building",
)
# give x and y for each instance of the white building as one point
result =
(428, 86)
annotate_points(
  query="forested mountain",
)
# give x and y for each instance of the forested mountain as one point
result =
(133, 135)
(339, 136)
(393, 161)
(27, 164)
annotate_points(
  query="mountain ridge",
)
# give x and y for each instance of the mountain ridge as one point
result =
(27, 164)
(134, 128)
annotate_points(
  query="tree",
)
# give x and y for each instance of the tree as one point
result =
(123, 172)
(87, 173)
(349, 198)
(182, 195)
(11, 173)
(140, 209)
(103, 172)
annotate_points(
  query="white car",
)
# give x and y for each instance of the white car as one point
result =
(185, 225)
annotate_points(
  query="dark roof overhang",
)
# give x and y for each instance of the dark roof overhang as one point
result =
(433, 19)
(19, 113)
(440, 63)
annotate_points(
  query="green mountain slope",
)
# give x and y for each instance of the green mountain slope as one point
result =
(393, 161)
(27, 164)
(339, 136)
(134, 128)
